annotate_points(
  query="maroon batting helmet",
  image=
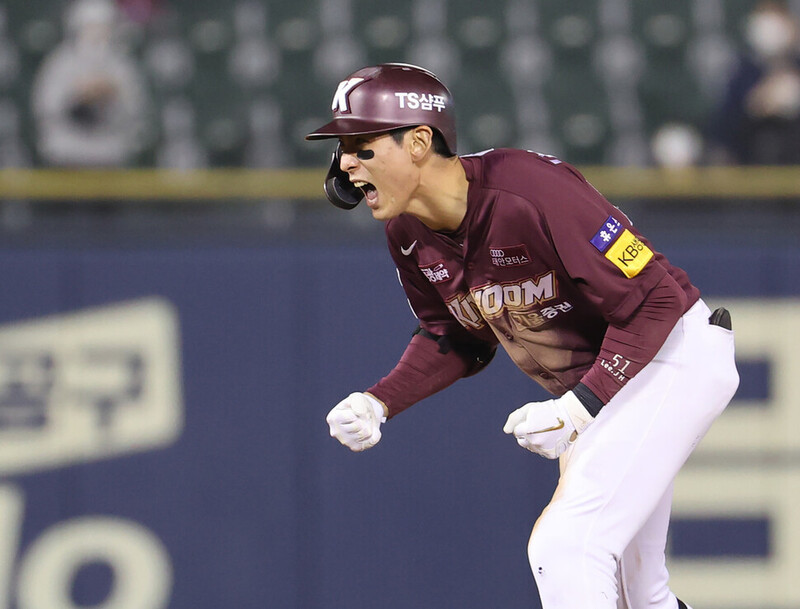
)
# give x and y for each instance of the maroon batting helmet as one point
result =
(377, 99)
(387, 96)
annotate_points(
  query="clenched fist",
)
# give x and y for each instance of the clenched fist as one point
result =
(548, 428)
(356, 421)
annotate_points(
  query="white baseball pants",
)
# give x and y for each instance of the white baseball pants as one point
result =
(601, 540)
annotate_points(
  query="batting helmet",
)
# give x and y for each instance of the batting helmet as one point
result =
(390, 95)
(381, 98)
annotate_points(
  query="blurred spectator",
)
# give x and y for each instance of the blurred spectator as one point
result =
(89, 98)
(758, 121)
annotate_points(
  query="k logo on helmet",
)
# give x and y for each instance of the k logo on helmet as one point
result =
(341, 103)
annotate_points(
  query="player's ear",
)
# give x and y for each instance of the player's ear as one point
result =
(420, 141)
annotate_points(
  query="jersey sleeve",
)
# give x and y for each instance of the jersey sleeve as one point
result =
(630, 345)
(613, 265)
(422, 371)
(617, 270)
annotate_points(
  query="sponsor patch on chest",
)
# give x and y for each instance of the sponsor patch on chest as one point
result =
(436, 272)
(511, 255)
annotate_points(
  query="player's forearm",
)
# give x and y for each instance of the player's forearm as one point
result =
(422, 371)
(630, 346)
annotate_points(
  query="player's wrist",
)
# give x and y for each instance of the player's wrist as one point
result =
(380, 409)
(588, 398)
(581, 418)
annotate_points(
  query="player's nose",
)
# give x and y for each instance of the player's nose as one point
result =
(347, 161)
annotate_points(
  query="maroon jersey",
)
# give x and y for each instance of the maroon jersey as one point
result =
(542, 263)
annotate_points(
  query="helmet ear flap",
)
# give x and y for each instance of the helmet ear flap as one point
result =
(338, 187)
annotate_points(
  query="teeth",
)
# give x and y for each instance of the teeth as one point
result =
(359, 184)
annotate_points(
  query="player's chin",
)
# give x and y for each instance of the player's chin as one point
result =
(382, 212)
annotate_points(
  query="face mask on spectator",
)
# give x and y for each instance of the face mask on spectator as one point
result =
(770, 34)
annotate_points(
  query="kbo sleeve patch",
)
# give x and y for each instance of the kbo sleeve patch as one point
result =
(629, 254)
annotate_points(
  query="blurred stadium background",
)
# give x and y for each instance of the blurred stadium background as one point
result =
(181, 307)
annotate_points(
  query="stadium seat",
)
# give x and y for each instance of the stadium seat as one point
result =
(668, 90)
(478, 29)
(485, 110)
(588, 79)
(385, 27)
(579, 117)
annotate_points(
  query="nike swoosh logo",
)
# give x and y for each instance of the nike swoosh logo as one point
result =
(407, 250)
(553, 428)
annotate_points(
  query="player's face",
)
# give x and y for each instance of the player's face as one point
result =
(383, 169)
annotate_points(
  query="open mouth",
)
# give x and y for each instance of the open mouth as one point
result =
(370, 192)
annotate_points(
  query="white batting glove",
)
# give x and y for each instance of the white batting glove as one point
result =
(548, 428)
(356, 421)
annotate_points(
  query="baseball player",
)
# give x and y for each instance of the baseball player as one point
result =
(516, 248)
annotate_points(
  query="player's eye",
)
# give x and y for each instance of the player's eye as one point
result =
(356, 146)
